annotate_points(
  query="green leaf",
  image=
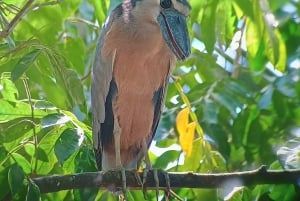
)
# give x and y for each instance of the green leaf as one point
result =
(41, 154)
(74, 86)
(54, 119)
(33, 193)
(167, 157)
(75, 52)
(165, 143)
(220, 161)
(24, 63)
(66, 145)
(227, 100)
(237, 194)
(8, 90)
(22, 162)
(101, 10)
(246, 6)
(16, 178)
(210, 112)
(4, 190)
(85, 194)
(266, 99)
(3, 153)
(14, 129)
(192, 163)
(289, 194)
(12, 110)
(85, 160)
(44, 105)
(47, 144)
(276, 50)
(209, 26)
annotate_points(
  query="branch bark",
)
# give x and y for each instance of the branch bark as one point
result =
(177, 180)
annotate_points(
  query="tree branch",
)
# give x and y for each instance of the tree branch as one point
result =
(177, 180)
(16, 20)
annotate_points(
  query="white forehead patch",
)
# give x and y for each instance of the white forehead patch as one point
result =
(181, 7)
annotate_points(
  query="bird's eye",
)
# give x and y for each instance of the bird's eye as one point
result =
(166, 3)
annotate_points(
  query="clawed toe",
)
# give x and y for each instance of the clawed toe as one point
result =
(145, 173)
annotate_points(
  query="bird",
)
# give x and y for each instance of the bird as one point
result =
(138, 47)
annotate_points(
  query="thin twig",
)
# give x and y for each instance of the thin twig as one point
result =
(35, 140)
(50, 3)
(86, 76)
(10, 27)
(89, 23)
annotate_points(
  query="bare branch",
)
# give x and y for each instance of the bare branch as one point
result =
(177, 180)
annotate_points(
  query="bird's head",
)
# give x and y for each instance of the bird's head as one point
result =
(172, 22)
(170, 16)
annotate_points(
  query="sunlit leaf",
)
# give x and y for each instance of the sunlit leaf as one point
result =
(47, 144)
(24, 63)
(10, 110)
(66, 145)
(277, 51)
(10, 131)
(8, 89)
(246, 6)
(22, 162)
(54, 119)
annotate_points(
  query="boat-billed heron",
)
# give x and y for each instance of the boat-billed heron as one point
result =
(137, 49)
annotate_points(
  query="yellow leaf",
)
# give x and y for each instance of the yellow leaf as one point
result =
(186, 140)
(182, 120)
(186, 131)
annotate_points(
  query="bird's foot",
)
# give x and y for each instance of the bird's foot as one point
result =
(156, 181)
(137, 177)
(145, 173)
(121, 192)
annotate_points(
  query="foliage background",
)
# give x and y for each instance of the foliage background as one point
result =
(241, 87)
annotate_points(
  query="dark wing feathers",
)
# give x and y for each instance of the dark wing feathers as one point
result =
(158, 98)
(101, 81)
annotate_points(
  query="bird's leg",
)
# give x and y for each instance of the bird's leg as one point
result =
(146, 170)
(168, 190)
(117, 139)
(137, 177)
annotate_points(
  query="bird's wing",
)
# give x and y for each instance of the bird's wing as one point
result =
(101, 85)
(158, 101)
